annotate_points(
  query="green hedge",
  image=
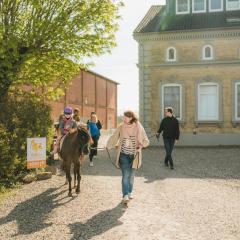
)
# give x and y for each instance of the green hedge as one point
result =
(20, 119)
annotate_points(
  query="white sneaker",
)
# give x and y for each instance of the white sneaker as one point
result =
(125, 199)
(91, 164)
(130, 196)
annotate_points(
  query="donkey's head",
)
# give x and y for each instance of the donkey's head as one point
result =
(83, 140)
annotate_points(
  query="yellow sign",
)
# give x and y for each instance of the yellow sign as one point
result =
(36, 152)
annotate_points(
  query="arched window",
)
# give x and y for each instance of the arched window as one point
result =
(207, 53)
(171, 54)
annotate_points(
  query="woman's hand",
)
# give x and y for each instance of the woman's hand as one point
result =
(139, 149)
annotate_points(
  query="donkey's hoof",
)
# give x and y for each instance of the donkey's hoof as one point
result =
(77, 191)
(70, 194)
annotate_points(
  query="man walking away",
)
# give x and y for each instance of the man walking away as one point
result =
(170, 128)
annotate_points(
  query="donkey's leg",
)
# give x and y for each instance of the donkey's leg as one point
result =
(75, 176)
(77, 169)
(68, 174)
(66, 181)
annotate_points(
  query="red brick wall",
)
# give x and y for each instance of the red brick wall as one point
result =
(74, 92)
(90, 93)
(57, 109)
(111, 118)
(101, 92)
(111, 93)
(102, 116)
(88, 89)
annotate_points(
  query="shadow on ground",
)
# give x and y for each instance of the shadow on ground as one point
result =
(31, 214)
(216, 163)
(98, 224)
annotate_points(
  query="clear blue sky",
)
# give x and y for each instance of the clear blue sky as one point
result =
(121, 64)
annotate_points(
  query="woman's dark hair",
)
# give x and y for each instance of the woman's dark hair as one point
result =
(131, 114)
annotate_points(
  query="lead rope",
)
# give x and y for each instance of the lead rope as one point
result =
(108, 153)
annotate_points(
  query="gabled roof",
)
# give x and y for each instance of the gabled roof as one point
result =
(156, 20)
(152, 12)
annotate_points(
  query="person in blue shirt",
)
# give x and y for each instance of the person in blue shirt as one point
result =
(93, 127)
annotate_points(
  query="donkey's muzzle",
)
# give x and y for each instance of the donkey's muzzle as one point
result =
(86, 150)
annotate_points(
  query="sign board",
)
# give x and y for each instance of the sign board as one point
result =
(36, 152)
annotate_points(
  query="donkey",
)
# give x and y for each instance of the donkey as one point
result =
(74, 146)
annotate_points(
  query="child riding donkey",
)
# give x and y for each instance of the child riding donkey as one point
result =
(67, 125)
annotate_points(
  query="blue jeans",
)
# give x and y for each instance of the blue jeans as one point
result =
(125, 161)
(169, 144)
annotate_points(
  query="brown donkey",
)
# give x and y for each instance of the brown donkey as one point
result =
(74, 146)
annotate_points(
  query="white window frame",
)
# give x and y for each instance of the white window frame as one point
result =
(188, 11)
(215, 10)
(201, 11)
(236, 106)
(232, 9)
(198, 105)
(203, 52)
(175, 55)
(180, 88)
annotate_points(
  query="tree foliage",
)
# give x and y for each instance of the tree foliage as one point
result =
(52, 35)
(42, 46)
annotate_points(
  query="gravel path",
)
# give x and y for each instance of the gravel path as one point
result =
(199, 200)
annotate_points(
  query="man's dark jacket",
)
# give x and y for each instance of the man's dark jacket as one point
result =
(170, 128)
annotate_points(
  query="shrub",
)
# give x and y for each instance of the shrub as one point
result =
(20, 119)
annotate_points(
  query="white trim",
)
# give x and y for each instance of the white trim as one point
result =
(236, 102)
(232, 9)
(203, 52)
(180, 89)
(175, 55)
(188, 11)
(215, 10)
(190, 35)
(200, 11)
(198, 105)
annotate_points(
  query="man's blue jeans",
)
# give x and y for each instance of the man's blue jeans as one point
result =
(126, 161)
(169, 144)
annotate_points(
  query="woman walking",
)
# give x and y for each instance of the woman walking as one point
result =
(130, 137)
(94, 131)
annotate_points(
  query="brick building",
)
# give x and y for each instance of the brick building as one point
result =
(90, 92)
(189, 58)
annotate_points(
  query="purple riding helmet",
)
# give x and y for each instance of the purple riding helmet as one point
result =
(68, 112)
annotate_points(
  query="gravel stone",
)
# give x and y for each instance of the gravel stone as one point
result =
(198, 200)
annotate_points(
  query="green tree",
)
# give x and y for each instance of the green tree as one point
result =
(41, 40)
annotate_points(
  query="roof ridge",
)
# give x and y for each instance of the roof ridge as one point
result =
(154, 9)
